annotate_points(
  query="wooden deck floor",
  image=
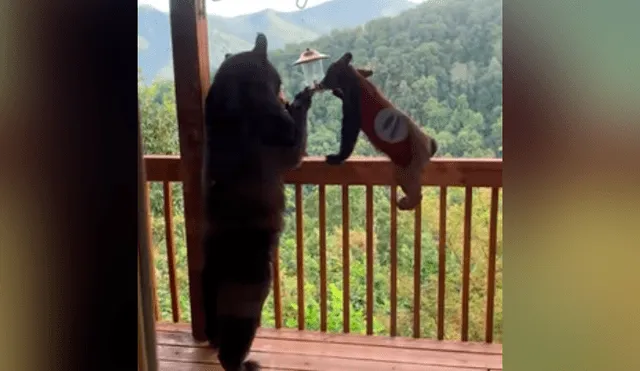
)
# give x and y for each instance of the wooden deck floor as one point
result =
(305, 350)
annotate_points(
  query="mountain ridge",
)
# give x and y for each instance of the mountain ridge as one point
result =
(233, 34)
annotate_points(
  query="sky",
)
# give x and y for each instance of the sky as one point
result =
(230, 8)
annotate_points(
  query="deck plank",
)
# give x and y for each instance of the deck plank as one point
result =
(287, 361)
(383, 341)
(306, 350)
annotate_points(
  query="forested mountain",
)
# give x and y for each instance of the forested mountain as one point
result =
(440, 62)
(233, 34)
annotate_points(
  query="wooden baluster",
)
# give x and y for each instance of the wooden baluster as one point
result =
(369, 248)
(491, 279)
(466, 262)
(152, 257)
(277, 300)
(323, 256)
(417, 265)
(393, 244)
(345, 259)
(169, 239)
(442, 260)
(300, 256)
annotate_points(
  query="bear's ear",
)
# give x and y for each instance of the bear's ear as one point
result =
(226, 56)
(261, 44)
(346, 58)
(364, 72)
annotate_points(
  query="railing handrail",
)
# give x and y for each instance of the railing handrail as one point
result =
(368, 171)
(450, 172)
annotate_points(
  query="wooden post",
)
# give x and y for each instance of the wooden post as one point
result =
(191, 74)
(143, 363)
(146, 323)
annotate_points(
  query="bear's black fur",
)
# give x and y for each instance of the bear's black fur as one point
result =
(251, 139)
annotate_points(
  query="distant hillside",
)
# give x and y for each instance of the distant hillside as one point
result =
(441, 63)
(230, 35)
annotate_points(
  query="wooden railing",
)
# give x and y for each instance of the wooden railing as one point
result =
(368, 172)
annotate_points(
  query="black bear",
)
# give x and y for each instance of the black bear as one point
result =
(252, 137)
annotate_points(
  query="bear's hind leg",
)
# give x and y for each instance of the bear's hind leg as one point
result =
(237, 334)
(239, 311)
(210, 294)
